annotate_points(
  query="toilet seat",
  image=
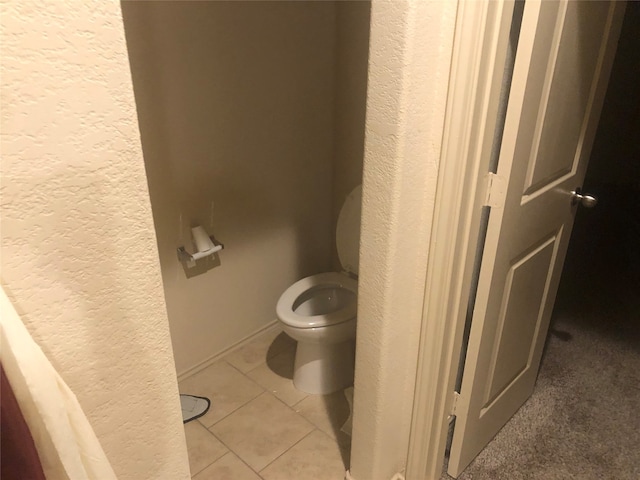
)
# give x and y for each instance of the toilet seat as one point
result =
(286, 313)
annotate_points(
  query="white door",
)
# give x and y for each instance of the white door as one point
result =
(561, 70)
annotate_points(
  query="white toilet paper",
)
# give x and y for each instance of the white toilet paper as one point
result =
(204, 245)
(201, 239)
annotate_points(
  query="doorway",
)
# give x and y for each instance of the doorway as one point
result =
(580, 422)
(252, 125)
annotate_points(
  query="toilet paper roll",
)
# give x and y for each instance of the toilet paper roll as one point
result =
(201, 239)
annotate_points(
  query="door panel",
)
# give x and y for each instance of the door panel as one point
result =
(519, 320)
(562, 65)
(567, 96)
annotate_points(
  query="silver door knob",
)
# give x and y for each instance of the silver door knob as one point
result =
(588, 201)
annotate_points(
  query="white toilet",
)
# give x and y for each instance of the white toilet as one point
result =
(320, 312)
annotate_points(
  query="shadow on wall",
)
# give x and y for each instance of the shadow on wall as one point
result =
(235, 126)
(235, 105)
(352, 62)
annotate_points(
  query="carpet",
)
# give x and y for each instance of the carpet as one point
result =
(582, 420)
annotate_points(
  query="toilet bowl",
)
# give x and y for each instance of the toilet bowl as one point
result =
(320, 313)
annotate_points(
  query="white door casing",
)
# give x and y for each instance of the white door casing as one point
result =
(477, 66)
(560, 75)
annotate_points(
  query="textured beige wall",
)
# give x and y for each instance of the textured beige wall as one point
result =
(352, 60)
(235, 102)
(79, 256)
(409, 62)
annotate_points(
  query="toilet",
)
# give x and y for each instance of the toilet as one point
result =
(320, 312)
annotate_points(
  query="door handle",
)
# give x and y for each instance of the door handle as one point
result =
(588, 201)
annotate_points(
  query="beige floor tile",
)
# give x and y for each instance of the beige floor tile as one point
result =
(276, 376)
(227, 389)
(268, 345)
(261, 430)
(229, 467)
(326, 412)
(203, 447)
(316, 457)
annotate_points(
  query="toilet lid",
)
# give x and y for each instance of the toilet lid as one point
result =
(348, 231)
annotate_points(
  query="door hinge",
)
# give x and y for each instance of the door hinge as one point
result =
(454, 404)
(496, 190)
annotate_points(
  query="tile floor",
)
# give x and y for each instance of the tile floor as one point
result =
(259, 426)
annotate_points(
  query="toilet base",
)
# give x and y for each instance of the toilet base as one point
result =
(321, 369)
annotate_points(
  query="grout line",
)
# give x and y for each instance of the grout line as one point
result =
(226, 453)
(215, 459)
(249, 466)
(238, 407)
(245, 373)
(268, 389)
(266, 361)
(283, 453)
(301, 400)
(261, 393)
(267, 358)
(263, 390)
(290, 407)
(232, 452)
(191, 371)
(232, 411)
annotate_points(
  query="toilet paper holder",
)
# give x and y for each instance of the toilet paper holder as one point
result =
(206, 245)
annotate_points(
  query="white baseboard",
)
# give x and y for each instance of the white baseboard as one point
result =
(217, 356)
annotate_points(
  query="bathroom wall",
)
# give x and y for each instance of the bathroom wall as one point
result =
(79, 258)
(236, 109)
(351, 66)
(409, 67)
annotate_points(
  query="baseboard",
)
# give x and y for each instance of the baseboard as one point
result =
(217, 356)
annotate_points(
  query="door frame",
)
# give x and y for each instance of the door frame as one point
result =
(479, 52)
